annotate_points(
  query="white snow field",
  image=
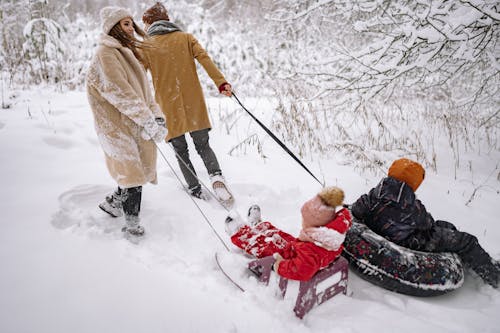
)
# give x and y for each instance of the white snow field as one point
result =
(65, 267)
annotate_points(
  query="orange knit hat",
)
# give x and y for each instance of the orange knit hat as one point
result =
(408, 171)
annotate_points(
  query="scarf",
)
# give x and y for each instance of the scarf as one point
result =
(162, 27)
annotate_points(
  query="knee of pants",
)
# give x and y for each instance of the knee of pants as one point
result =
(201, 143)
(460, 242)
(445, 239)
(446, 224)
(469, 239)
(200, 149)
(180, 146)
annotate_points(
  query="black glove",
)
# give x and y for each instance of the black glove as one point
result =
(160, 121)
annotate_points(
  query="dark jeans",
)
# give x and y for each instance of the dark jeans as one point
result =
(131, 200)
(200, 140)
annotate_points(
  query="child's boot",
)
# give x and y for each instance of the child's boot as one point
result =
(233, 223)
(481, 263)
(254, 215)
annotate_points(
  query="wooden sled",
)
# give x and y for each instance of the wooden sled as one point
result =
(310, 292)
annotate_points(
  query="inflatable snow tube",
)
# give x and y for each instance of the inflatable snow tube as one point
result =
(400, 269)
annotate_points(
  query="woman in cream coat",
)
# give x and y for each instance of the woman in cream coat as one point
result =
(127, 119)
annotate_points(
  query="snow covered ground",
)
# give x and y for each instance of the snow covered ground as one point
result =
(64, 266)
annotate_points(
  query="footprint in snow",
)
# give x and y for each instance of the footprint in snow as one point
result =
(79, 211)
(58, 142)
(58, 112)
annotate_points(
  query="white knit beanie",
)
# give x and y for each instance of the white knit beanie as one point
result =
(112, 15)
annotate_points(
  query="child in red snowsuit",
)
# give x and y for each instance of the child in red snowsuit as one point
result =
(319, 243)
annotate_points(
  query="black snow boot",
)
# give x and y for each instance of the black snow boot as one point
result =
(198, 192)
(489, 273)
(132, 198)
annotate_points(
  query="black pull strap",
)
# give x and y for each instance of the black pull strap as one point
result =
(271, 134)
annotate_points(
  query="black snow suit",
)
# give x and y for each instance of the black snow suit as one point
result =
(392, 211)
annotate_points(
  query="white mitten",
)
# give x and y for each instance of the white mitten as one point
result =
(149, 129)
(160, 134)
(278, 259)
(153, 131)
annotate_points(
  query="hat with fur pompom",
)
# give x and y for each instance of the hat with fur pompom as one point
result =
(112, 15)
(407, 171)
(320, 210)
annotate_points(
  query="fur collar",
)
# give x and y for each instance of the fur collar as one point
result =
(109, 41)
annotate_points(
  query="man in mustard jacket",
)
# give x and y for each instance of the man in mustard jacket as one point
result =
(169, 54)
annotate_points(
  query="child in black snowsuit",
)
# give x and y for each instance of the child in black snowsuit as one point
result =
(392, 210)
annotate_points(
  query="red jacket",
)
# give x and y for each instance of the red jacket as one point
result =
(301, 259)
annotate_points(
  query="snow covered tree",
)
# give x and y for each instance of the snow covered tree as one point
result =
(44, 47)
(393, 43)
(234, 34)
(427, 44)
(11, 21)
(380, 59)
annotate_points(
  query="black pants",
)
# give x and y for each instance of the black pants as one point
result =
(131, 200)
(444, 237)
(200, 140)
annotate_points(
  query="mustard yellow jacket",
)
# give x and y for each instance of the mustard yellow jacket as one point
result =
(170, 58)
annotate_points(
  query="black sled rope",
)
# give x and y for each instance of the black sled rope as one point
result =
(192, 199)
(195, 175)
(271, 134)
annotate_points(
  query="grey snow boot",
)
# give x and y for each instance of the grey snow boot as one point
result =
(132, 226)
(112, 204)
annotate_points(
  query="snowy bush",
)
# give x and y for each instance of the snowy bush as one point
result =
(393, 66)
(44, 50)
(390, 78)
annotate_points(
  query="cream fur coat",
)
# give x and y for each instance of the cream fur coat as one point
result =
(122, 103)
